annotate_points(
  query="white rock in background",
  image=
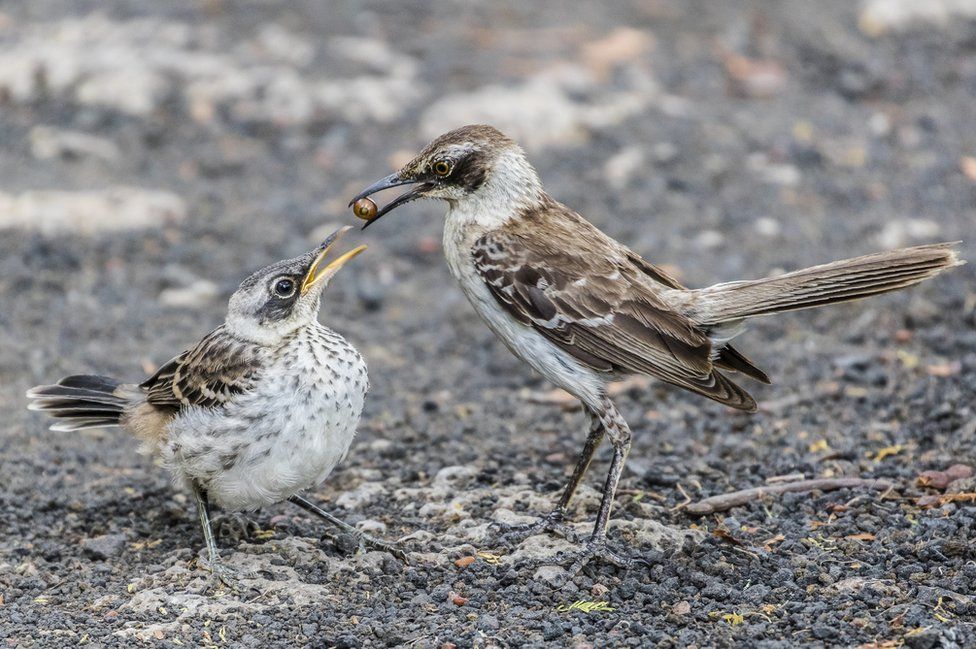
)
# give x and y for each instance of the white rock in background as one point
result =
(766, 226)
(902, 232)
(48, 142)
(198, 294)
(774, 173)
(881, 16)
(621, 167)
(545, 110)
(133, 66)
(363, 495)
(709, 239)
(88, 212)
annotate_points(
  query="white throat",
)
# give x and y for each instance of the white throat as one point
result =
(511, 187)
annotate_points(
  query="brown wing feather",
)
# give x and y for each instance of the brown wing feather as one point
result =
(597, 309)
(729, 358)
(206, 375)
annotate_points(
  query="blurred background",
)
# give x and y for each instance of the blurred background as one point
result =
(154, 154)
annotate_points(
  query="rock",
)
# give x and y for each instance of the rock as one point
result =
(454, 476)
(541, 547)
(901, 232)
(649, 532)
(370, 526)
(552, 575)
(709, 239)
(766, 226)
(552, 108)
(55, 212)
(197, 295)
(786, 175)
(48, 143)
(881, 16)
(135, 66)
(884, 587)
(103, 547)
(754, 78)
(365, 494)
(623, 166)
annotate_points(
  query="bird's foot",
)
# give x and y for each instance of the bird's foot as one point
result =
(222, 578)
(352, 540)
(597, 549)
(551, 523)
(367, 542)
(234, 528)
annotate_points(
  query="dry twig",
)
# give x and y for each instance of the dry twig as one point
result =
(727, 501)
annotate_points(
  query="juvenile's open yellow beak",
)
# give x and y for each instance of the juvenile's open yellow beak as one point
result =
(314, 275)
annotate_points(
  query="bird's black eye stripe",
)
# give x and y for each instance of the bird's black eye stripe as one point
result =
(284, 287)
(442, 167)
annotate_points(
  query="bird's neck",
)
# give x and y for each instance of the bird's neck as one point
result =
(511, 189)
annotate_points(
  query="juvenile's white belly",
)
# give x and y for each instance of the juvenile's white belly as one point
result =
(544, 357)
(280, 439)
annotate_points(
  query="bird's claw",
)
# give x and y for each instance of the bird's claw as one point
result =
(367, 542)
(553, 522)
(597, 549)
(221, 576)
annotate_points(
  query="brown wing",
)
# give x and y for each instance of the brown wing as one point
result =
(596, 308)
(206, 375)
(728, 357)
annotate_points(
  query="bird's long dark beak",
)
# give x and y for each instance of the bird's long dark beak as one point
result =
(393, 180)
(314, 275)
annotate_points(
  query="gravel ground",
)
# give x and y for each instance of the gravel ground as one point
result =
(153, 154)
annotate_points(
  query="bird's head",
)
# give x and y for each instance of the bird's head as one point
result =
(472, 163)
(285, 296)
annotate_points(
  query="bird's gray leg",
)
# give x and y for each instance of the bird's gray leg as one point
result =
(593, 439)
(618, 432)
(365, 540)
(553, 522)
(224, 574)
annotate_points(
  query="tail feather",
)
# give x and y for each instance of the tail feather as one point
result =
(81, 401)
(840, 281)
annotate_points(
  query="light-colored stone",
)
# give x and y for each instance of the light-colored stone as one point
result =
(199, 294)
(133, 66)
(48, 142)
(901, 232)
(455, 475)
(649, 532)
(881, 16)
(624, 166)
(552, 575)
(544, 110)
(365, 494)
(88, 212)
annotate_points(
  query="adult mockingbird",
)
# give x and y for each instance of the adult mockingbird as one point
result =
(582, 309)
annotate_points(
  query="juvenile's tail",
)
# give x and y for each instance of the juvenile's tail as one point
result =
(840, 281)
(82, 401)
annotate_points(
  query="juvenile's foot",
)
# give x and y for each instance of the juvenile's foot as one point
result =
(233, 527)
(551, 523)
(221, 577)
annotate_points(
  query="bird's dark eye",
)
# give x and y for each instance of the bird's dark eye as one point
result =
(284, 287)
(442, 168)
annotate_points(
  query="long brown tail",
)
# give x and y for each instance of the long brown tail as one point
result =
(840, 281)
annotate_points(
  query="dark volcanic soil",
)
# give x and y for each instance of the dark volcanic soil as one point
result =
(188, 143)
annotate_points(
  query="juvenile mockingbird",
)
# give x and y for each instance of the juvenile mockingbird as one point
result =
(262, 408)
(583, 309)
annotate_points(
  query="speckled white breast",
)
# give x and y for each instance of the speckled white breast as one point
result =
(286, 435)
